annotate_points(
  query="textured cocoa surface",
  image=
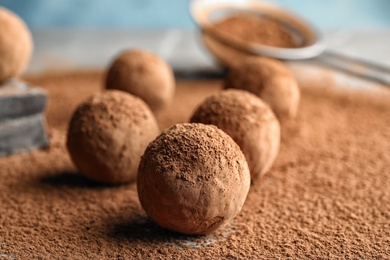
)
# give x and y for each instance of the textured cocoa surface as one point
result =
(270, 80)
(108, 134)
(193, 179)
(15, 45)
(327, 195)
(249, 121)
(142, 74)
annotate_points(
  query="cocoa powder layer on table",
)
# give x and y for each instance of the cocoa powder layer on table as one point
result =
(327, 195)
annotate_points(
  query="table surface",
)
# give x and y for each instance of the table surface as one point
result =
(326, 195)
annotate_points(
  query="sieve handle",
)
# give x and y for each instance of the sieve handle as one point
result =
(359, 67)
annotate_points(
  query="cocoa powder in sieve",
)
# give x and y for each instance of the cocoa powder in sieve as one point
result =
(250, 28)
(255, 29)
(325, 197)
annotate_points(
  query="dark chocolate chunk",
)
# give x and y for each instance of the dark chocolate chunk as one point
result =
(17, 99)
(22, 135)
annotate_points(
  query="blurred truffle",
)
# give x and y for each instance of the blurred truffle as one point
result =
(15, 45)
(144, 75)
(193, 179)
(271, 81)
(108, 134)
(249, 121)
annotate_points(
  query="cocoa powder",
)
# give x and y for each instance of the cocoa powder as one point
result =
(325, 197)
(255, 29)
(250, 29)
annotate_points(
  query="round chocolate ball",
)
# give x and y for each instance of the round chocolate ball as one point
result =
(144, 75)
(271, 81)
(15, 45)
(193, 179)
(249, 121)
(108, 134)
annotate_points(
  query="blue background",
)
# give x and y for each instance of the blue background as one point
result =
(326, 14)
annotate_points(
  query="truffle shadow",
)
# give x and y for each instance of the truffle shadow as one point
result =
(70, 179)
(142, 228)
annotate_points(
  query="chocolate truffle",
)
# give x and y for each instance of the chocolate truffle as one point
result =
(271, 81)
(193, 179)
(108, 134)
(144, 75)
(15, 45)
(249, 121)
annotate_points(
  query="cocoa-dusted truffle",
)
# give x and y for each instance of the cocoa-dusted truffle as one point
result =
(144, 75)
(193, 179)
(108, 134)
(15, 45)
(249, 121)
(270, 80)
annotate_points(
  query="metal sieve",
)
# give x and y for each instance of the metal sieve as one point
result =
(310, 41)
